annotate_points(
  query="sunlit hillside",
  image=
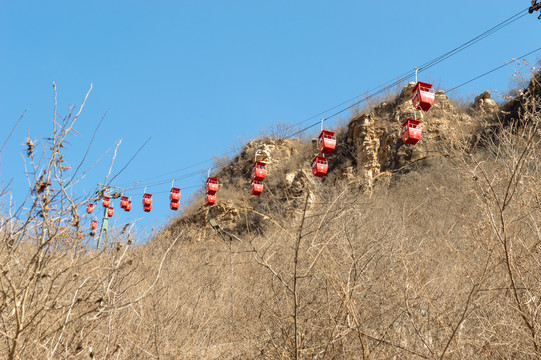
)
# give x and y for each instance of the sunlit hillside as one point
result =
(398, 251)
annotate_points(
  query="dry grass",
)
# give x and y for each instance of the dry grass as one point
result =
(441, 261)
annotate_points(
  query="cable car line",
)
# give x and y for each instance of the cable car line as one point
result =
(372, 93)
(129, 161)
(447, 91)
(476, 39)
(491, 71)
(211, 198)
(187, 167)
(434, 61)
(168, 180)
(198, 172)
(378, 90)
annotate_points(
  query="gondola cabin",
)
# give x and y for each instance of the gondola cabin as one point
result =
(259, 171)
(106, 201)
(423, 96)
(93, 225)
(174, 205)
(110, 211)
(89, 208)
(256, 187)
(326, 142)
(123, 202)
(128, 206)
(411, 134)
(174, 196)
(210, 200)
(319, 166)
(147, 202)
(212, 186)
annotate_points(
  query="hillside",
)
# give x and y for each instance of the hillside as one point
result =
(399, 252)
(370, 151)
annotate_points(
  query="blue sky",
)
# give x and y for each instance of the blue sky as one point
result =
(201, 77)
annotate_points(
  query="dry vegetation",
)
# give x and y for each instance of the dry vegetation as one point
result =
(441, 260)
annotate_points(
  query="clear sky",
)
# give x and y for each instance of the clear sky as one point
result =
(201, 77)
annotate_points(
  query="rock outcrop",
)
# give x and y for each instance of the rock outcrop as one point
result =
(376, 134)
(485, 104)
(370, 148)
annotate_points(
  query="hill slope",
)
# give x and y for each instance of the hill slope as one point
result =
(399, 252)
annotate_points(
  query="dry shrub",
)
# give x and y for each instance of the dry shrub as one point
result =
(441, 261)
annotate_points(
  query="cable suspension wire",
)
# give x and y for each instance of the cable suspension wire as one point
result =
(431, 63)
(315, 124)
(129, 161)
(198, 172)
(366, 96)
(388, 85)
(491, 71)
(473, 41)
(447, 91)
(161, 192)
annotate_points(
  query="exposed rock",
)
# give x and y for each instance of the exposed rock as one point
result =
(484, 103)
(367, 142)
(405, 94)
(371, 150)
(296, 183)
(264, 153)
(528, 101)
(268, 150)
(348, 173)
(376, 135)
(226, 213)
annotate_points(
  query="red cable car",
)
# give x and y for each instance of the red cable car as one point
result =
(123, 202)
(175, 195)
(106, 201)
(320, 166)
(93, 225)
(89, 208)
(256, 187)
(174, 198)
(326, 142)
(423, 96)
(128, 206)
(147, 202)
(210, 200)
(110, 211)
(212, 186)
(410, 132)
(258, 171)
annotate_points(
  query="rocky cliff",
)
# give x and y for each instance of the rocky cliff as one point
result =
(369, 150)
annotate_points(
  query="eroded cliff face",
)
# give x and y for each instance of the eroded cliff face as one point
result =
(369, 149)
(376, 135)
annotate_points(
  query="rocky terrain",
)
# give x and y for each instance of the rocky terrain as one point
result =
(369, 150)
